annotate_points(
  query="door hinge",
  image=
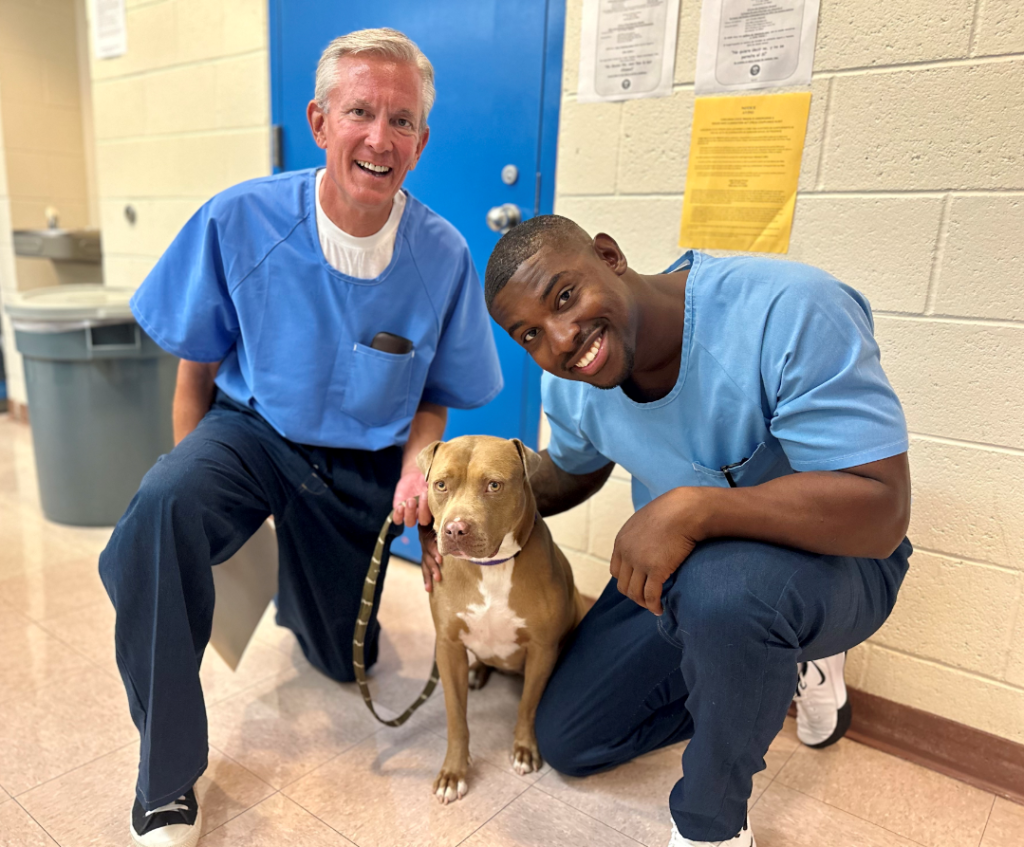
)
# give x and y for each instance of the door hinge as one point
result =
(277, 147)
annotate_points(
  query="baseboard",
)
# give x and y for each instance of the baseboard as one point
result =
(17, 411)
(978, 758)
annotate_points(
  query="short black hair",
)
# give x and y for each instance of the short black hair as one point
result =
(521, 242)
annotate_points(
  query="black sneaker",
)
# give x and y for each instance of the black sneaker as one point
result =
(822, 709)
(178, 824)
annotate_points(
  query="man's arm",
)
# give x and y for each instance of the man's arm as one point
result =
(862, 511)
(193, 395)
(427, 426)
(558, 491)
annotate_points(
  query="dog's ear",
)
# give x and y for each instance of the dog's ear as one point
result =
(531, 459)
(426, 457)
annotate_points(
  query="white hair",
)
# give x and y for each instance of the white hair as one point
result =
(375, 42)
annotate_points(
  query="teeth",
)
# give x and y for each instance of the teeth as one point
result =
(590, 355)
(377, 169)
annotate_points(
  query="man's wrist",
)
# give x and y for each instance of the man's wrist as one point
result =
(697, 511)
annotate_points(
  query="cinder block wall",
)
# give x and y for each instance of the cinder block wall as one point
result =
(183, 114)
(912, 190)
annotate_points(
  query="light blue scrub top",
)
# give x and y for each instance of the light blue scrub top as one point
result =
(780, 372)
(246, 283)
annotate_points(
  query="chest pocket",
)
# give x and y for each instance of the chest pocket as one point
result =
(378, 384)
(762, 466)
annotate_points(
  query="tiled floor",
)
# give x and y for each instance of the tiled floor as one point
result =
(297, 761)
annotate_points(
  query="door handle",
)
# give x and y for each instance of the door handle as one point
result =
(502, 218)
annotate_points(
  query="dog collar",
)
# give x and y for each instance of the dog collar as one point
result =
(486, 563)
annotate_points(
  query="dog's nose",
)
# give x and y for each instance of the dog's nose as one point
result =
(455, 529)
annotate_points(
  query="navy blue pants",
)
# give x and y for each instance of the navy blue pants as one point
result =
(195, 508)
(718, 667)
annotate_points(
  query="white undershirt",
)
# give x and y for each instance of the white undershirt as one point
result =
(363, 258)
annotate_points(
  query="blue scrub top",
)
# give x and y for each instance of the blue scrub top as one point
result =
(246, 283)
(780, 372)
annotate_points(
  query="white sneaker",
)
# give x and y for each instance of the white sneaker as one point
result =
(822, 708)
(743, 838)
(177, 824)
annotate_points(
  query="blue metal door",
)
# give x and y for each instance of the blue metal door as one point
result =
(498, 66)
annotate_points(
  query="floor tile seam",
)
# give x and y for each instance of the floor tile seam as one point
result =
(283, 788)
(775, 776)
(235, 761)
(492, 817)
(72, 647)
(52, 562)
(542, 790)
(855, 815)
(37, 823)
(41, 621)
(588, 815)
(262, 800)
(70, 771)
(47, 686)
(988, 820)
(315, 816)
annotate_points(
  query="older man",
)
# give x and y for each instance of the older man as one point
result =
(324, 319)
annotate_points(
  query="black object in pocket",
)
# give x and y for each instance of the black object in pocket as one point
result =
(388, 342)
(763, 464)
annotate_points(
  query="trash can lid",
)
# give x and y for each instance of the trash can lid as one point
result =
(72, 303)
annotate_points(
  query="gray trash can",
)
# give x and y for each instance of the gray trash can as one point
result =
(99, 395)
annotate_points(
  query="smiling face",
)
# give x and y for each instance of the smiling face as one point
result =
(571, 309)
(373, 133)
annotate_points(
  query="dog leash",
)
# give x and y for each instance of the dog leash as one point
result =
(359, 637)
(363, 621)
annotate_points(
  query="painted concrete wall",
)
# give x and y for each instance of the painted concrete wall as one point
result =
(182, 115)
(42, 159)
(912, 190)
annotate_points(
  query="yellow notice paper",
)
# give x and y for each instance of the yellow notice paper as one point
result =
(744, 166)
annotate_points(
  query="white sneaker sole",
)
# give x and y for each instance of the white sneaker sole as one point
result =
(843, 718)
(190, 840)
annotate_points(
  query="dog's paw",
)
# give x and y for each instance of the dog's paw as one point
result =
(449, 787)
(478, 676)
(525, 758)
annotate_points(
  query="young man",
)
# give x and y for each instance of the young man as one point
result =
(772, 495)
(272, 295)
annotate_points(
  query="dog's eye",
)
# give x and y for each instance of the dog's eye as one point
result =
(440, 486)
(493, 486)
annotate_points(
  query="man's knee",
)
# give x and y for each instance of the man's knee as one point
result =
(559, 745)
(170, 486)
(725, 587)
(169, 497)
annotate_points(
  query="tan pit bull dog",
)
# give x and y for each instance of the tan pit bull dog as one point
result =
(506, 599)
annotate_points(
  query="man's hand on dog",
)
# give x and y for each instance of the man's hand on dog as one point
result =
(652, 544)
(411, 509)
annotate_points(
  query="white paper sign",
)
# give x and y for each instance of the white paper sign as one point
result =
(627, 49)
(747, 44)
(109, 30)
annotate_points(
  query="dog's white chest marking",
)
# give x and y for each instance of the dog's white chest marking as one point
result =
(492, 625)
